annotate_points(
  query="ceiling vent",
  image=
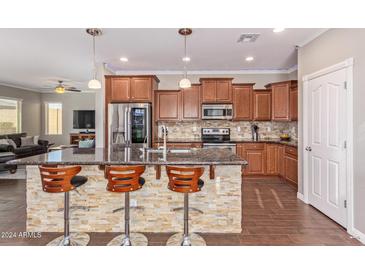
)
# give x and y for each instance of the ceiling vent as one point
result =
(248, 37)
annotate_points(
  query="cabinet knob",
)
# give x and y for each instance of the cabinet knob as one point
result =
(308, 148)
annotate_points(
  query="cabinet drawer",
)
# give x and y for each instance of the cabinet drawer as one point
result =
(291, 150)
(254, 146)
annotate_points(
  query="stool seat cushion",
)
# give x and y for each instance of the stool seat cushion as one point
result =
(77, 181)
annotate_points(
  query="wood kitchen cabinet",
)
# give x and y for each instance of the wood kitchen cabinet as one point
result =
(291, 165)
(121, 89)
(242, 102)
(281, 160)
(255, 155)
(167, 105)
(177, 105)
(293, 104)
(191, 103)
(280, 100)
(216, 90)
(261, 105)
(272, 165)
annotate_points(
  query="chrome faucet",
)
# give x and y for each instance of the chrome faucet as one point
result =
(164, 132)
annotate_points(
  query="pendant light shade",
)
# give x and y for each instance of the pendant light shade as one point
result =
(185, 82)
(94, 83)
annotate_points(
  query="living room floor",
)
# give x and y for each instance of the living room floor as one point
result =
(271, 213)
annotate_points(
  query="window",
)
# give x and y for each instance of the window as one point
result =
(53, 118)
(10, 115)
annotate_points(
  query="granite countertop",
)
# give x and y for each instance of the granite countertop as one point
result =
(180, 140)
(292, 143)
(131, 156)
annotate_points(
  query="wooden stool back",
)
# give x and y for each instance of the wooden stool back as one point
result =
(57, 179)
(123, 178)
(184, 179)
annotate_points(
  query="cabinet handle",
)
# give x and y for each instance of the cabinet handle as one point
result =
(308, 148)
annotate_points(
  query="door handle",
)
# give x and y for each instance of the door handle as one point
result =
(308, 149)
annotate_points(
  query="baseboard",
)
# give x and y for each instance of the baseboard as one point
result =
(300, 196)
(357, 234)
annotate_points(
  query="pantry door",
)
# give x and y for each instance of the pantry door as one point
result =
(325, 148)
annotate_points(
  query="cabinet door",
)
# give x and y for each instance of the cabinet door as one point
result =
(256, 162)
(294, 104)
(262, 106)
(280, 102)
(291, 169)
(120, 89)
(191, 105)
(281, 160)
(141, 89)
(272, 159)
(168, 105)
(242, 103)
(224, 91)
(209, 91)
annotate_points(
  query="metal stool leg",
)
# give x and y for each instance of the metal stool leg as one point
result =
(74, 239)
(128, 238)
(188, 239)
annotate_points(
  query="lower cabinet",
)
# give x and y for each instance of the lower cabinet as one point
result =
(255, 155)
(270, 159)
(291, 165)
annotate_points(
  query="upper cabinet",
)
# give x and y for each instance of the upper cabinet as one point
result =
(293, 103)
(262, 105)
(130, 88)
(242, 102)
(216, 90)
(167, 105)
(280, 97)
(191, 103)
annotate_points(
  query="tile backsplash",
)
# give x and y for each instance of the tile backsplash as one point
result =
(239, 129)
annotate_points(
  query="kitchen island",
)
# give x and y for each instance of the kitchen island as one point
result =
(217, 208)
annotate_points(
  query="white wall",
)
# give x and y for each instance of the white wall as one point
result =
(70, 102)
(334, 46)
(31, 111)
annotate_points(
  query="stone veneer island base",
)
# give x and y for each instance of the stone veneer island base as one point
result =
(219, 203)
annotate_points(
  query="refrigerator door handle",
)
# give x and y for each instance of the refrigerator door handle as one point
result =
(129, 126)
(126, 139)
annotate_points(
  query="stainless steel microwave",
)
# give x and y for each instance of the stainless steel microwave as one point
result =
(217, 112)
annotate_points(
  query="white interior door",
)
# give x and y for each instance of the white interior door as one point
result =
(326, 148)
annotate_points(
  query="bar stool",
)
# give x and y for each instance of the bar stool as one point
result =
(63, 179)
(126, 179)
(185, 180)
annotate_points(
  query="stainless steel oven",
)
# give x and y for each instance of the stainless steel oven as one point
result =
(217, 112)
(217, 138)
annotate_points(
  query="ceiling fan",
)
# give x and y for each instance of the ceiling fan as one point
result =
(61, 88)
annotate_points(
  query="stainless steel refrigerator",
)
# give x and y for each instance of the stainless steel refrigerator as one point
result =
(130, 124)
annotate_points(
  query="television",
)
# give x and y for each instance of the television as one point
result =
(84, 119)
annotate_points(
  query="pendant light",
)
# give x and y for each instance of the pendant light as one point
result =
(185, 82)
(94, 83)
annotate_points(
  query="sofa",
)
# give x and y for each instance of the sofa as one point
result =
(23, 151)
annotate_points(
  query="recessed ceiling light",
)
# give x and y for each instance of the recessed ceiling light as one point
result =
(186, 59)
(249, 58)
(124, 59)
(276, 30)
